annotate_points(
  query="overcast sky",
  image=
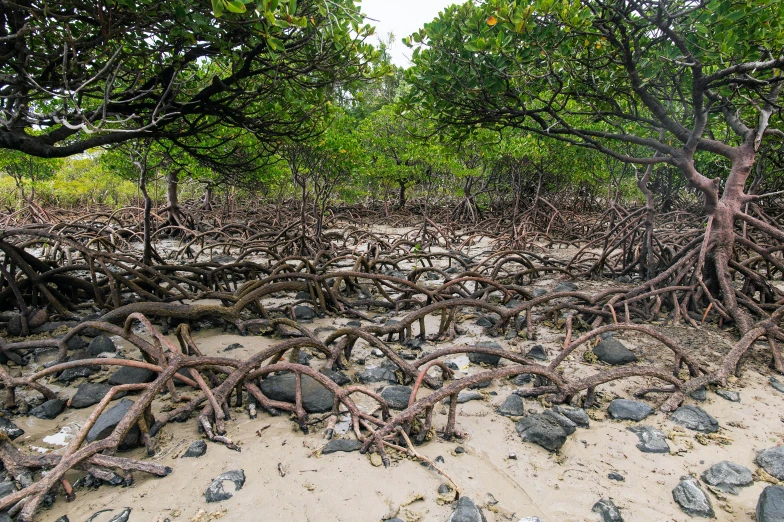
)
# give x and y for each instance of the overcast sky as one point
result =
(401, 17)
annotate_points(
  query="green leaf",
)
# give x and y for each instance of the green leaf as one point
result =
(235, 6)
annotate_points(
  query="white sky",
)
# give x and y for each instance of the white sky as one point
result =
(401, 17)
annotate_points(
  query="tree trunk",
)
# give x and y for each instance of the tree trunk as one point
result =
(172, 201)
(146, 222)
(208, 195)
(402, 195)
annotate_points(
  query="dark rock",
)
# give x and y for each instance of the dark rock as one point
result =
(341, 445)
(452, 366)
(612, 351)
(485, 322)
(522, 379)
(486, 358)
(772, 461)
(568, 426)
(9, 428)
(576, 415)
(537, 352)
(777, 384)
(415, 343)
(233, 346)
(14, 326)
(770, 506)
(131, 375)
(302, 295)
(731, 396)
(315, 397)
(88, 394)
(623, 279)
(607, 510)
(304, 358)
(480, 384)
(304, 313)
(109, 419)
(195, 450)
(354, 324)
(63, 518)
(565, 287)
(215, 491)
(651, 439)
(692, 499)
(695, 418)
(459, 450)
(7, 487)
(466, 396)
(616, 477)
(624, 409)
(383, 373)
(444, 489)
(339, 378)
(728, 476)
(77, 343)
(123, 516)
(538, 292)
(49, 409)
(700, 394)
(543, 430)
(101, 344)
(71, 374)
(466, 511)
(513, 406)
(397, 396)
(607, 335)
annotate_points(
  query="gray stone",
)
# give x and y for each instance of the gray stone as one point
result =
(480, 384)
(770, 506)
(109, 419)
(537, 352)
(530, 519)
(607, 510)
(772, 461)
(88, 394)
(131, 375)
(695, 418)
(576, 415)
(651, 439)
(444, 489)
(700, 394)
(195, 450)
(234, 346)
(383, 373)
(466, 511)
(731, 396)
(728, 476)
(339, 378)
(777, 384)
(71, 374)
(616, 477)
(315, 397)
(543, 430)
(692, 499)
(49, 409)
(513, 406)
(7, 487)
(486, 358)
(14, 326)
(397, 396)
(523, 379)
(341, 445)
(466, 396)
(215, 491)
(76, 343)
(612, 351)
(568, 426)
(304, 313)
(302, 295)
(9, 428)
(565, 287)
(624, 409)
(101, 344)
(122, 516)
(485, 322)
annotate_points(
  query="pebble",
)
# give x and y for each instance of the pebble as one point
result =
(466, 511)
(341, 446)
(513, 406)
(624, 409)
(607, 510)
(616, 476)
(195, 450)
(215, 491)
(731, 396)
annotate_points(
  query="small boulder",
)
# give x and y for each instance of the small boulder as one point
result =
(195, 450)
(576, 415)
(7, 487)
(565, 287)
(339, 378)
(466, 511)
(537, 352)
(49, 409)
(132, 375)
(568, 426)
(513, 406)
(397, 396)
(485, 322)
(383, 373)
(695, 418)
(651, 439)
(607, 510)
(612, 351)
(315, 397)
(770, 506)
(772, 461)
(233, 346)
(341, 445)
(543, 430)
(489, 359)
(71, 374)
(692, 499)
(700, 394)
(88, 394)
(9, 428)
(777, 384)
(466, 396)
(215, 491)
(101, 344)
(731, 396)
(304, 313)
(728, 476)
(109, 420)
(624, 409)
